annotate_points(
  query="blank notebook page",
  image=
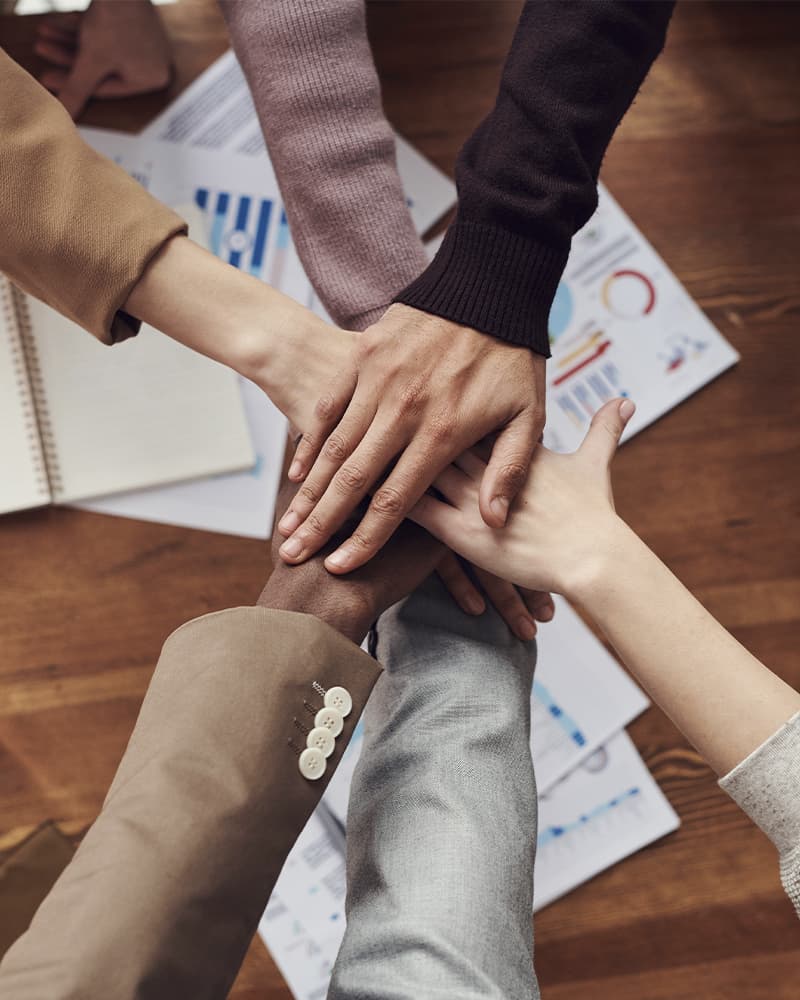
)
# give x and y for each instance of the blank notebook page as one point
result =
(23, 481)
(142, 413)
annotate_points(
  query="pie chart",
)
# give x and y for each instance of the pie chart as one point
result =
(560, 312)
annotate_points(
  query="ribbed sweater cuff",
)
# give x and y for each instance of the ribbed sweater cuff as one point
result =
(766, 785)
(491, 280)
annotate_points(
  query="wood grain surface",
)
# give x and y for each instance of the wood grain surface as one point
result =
(707, 164)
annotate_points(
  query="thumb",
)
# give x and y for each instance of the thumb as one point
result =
(602, 438)
(507, 469)
(87, 74)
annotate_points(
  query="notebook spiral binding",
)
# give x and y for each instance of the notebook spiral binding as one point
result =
(29, 375)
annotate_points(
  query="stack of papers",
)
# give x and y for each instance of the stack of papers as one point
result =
(598, 802)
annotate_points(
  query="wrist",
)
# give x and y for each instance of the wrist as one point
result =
(593, 573)
(343, 608)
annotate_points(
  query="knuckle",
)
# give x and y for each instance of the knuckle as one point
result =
(441, 430)
(351, 479)
(309, 493)
(314, 525)
(326, 407)
(412, 397)
(512, 475)
(389, 502)
(361, 540)
(336, 448)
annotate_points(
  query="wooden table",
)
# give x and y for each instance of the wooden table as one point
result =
(706, 163)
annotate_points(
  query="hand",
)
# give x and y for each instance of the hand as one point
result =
(520, 609)
(419, 391)
(117, 48)
(562, 515)
(232, 317)
(351, 604)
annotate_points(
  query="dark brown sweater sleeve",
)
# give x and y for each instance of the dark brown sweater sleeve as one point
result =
(527, 177)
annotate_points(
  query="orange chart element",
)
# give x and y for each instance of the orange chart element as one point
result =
(628, 294)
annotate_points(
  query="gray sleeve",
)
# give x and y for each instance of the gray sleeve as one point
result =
(767, 787)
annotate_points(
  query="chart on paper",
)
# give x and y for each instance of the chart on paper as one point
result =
(606, 809)
(621, 324)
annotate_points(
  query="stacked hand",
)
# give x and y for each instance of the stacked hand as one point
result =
(418, 391)
(352, 604)
(117, 48)
(562, 523)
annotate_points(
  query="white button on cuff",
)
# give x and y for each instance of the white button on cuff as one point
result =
(312, 763)
(339, 698)
(330, 719)
(322, 739)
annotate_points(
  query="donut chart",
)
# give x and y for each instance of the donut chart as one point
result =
(628, 294)
(560, 312)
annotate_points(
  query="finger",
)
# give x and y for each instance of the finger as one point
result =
(53, 79)
(461, 588)
(539, 603)
(337, 456)
(56, 53)
(507, 468)
(66, 25)
(471, 464)
(509, 604)
(457, 488)
(440, 519)
(328, 412)
(81, 83)
(415, 471)
(348, 486)
(603, 436)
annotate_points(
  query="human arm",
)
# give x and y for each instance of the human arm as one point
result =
(116, 48)
(317, 94)
(527, 181)
(78, 232)
(564, 535)
(167, 888)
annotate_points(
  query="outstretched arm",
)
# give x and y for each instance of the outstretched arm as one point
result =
(565, 535)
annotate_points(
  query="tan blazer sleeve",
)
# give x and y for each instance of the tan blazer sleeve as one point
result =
(167, 888)
(76, 230)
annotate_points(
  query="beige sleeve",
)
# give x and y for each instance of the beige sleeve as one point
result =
(77, 231)
(766, 785)
(167, 888)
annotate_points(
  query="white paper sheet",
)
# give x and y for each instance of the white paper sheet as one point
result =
(304, 922)
(216, 111)
(581, 696)
(603, 811)
(623, 325)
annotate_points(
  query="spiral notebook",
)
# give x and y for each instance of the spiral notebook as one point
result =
(79, 419)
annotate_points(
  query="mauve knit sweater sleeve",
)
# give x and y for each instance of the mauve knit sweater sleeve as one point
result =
(527, 177)
(314, 84)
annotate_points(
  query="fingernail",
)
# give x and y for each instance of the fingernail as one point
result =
(627, 409)
(289, 522)
(291, 548)
(545, 613)
(340, 559)
(499, 507)
(526, 628)
(474, 605)
(295, 470)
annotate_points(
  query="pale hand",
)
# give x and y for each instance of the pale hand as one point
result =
(556, 528)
